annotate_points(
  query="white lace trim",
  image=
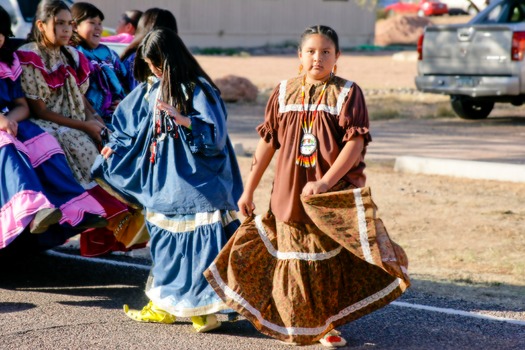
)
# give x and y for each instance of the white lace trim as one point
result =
(301, 330)
(291, 255)
(180, 308)
(336, 110)
(342, 95)
(363, 228)
(187, 223)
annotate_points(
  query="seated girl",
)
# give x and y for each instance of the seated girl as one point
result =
(37, 188)
(55, 77)
(108, 78)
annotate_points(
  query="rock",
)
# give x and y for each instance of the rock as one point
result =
(236, 89)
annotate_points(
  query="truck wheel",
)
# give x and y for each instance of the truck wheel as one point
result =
(468, 108)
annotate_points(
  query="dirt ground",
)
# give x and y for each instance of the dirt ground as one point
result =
(362, 68)
(453, 230)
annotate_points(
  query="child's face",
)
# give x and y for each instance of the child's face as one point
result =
(155, 70)
(90, 30)
(58, 34)
(2, 40)
(318, 56)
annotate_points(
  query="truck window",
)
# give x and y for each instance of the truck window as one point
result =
(505, 12)
(494, 15)
(517, 14)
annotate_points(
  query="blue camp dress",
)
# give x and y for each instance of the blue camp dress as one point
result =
(35, 176)
(107, 80)
(188, 181)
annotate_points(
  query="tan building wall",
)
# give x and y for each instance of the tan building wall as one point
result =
(253, 23)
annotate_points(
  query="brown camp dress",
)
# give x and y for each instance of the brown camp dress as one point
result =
(311, 263)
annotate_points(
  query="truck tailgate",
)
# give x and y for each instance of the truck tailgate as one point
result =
(467, 50)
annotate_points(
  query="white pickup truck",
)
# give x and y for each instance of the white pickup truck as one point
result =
(478, 63)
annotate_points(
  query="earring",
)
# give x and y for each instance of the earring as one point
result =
(334, 70)
(300, 69)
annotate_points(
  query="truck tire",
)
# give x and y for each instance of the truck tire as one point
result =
(469, 108)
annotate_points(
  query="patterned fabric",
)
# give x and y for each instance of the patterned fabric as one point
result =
(108, 79)
(311, 264)
(35, 176)
(48, 76)
(296, 282)
(342, 115)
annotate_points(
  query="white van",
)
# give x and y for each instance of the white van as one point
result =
(22, 13)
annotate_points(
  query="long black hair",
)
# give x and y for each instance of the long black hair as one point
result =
(180, 70)
(46, 11)
(81, 11)
(151, 18)
(6, 52)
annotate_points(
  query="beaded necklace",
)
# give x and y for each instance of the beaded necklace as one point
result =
(163, 125)
(308, 147)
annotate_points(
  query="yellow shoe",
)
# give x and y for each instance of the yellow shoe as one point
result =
(205, 323)
(150, 313)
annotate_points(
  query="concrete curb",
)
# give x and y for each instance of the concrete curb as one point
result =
(461, 168)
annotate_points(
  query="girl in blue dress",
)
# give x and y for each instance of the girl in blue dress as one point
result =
(170, 153)
(37, 188)
(108, 76)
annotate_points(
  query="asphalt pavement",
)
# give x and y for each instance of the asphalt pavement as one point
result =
(60, 300)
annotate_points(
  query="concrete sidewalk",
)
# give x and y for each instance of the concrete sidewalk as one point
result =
(461, 168)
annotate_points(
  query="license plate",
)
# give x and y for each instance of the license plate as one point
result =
(467, 82)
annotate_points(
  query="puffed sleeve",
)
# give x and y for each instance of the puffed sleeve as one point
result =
(354, 115)
(33, 83)
(267, 130)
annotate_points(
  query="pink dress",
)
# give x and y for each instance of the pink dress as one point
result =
(122, 38)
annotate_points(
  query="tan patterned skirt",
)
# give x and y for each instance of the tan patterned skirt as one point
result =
(296, 282)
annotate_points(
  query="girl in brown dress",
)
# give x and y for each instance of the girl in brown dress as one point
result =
(319, 257)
